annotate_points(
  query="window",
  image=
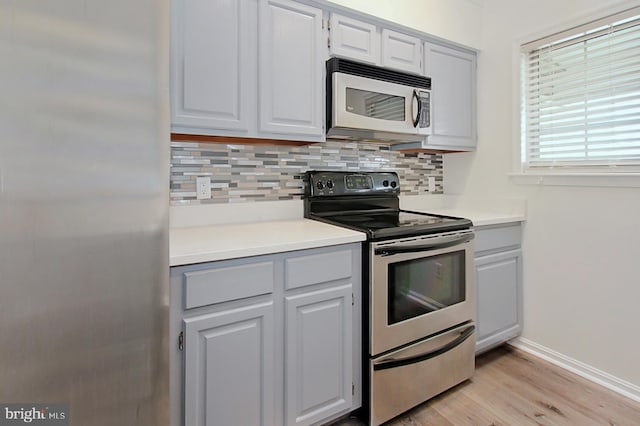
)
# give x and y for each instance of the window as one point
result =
(581, 98)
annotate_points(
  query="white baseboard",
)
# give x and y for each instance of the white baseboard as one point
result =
(588, 372)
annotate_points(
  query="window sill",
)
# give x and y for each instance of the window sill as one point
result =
(616, 180)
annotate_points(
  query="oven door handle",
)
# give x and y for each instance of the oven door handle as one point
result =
(413, 248)
(393, 363)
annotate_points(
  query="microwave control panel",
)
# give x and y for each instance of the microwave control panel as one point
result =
(425, 109)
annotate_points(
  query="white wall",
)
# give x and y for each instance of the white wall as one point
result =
(455, 20)
(581, 244)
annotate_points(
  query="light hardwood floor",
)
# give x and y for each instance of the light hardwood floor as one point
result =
(511, 387)
(514, 388)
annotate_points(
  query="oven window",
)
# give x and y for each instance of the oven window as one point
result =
(375, 105)
(424, 285)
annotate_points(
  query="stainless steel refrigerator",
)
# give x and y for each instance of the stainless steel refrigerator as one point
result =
(84, 181)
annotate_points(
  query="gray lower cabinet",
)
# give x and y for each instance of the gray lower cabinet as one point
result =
(267, 340)
(228, 358)
(498, 264)
(318, 354)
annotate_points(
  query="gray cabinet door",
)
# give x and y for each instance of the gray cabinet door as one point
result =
(318, 355)
(498, 298)
(453, 97)
(229, 362)
(290, 69)
(401, 51)
(354, 39)
(213, 59)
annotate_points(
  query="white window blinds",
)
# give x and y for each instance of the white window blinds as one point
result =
(581, 96)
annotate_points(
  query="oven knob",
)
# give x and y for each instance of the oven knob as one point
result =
(393, 184)
(385, 183)
(320, 185)
(329, 184)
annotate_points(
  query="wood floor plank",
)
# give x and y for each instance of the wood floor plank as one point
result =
(576, 400)
(512, 387)
(528, 399)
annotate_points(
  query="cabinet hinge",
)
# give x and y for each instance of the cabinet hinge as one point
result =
(353, 300)
(329, 42)
(181, 341)
(353, 389)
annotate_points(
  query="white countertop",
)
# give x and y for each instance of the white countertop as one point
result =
(482, 212)
(212, 232)
(218, 242)
(480, 217)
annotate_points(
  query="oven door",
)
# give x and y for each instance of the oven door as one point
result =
(419, 286)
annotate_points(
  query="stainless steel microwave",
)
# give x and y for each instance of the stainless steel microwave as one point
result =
(366, 102)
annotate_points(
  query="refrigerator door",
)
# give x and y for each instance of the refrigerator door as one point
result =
(84, 180)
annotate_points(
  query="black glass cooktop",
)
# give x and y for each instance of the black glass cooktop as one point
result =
(368, 202)
(396, 223)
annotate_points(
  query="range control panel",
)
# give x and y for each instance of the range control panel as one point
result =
(321, 184)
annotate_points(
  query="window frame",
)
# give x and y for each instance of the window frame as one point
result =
(608, 175)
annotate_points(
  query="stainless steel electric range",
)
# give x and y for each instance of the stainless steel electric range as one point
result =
(418, 281)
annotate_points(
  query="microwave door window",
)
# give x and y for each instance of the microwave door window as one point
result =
(417, 287)
(375, 105)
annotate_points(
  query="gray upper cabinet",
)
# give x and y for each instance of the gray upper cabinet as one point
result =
(251, 68)
(453, 97)
(255, 69)
(291, 65)
(212, 61)
(401, 51)
(366, 42)
(354, 39)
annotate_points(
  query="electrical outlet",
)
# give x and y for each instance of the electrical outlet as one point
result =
(431, 183)
(203, 188)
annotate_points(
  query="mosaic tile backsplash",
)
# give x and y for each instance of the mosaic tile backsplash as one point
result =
(244, 173)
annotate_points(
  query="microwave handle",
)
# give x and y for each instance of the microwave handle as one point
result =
(418, 112)
(409, 248)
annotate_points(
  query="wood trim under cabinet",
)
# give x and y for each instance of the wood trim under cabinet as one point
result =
(427, 151)
(184, 137)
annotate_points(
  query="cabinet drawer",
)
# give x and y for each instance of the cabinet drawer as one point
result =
(492, 238)
(218, 285)
(317, 268)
